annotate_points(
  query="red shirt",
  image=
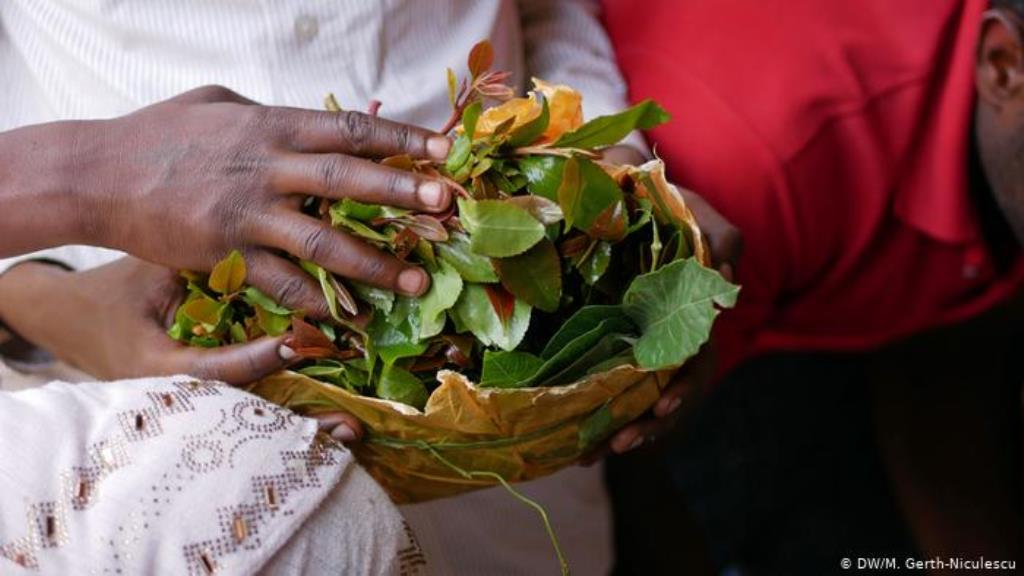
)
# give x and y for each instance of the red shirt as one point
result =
(836, 136)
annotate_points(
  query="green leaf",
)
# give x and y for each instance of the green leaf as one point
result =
(228, 275)
(471, 266)
(272, 324)
(584, 320)
(445, 287)
(566, 351)
(379, 298)
(499, 229)
(400, 385)
(469, 118)
(596, 263)
(595, 428)
(674, 308)
(544, 210)
(543, 175)
(535, 276)
(578, 365)
(340, 220)
(474, 312)
(396, 334)
(253, 297)
(356, 210)
(458, 155)
(608, 130)
(533, 129)
(508, 369)
(238, 335)
(395, 352)
(453, 86)
(586, 191)
(323, 276)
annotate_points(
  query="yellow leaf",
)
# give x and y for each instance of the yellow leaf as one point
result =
(229, 274)
(565, 107)
(203, 311)
(522, 109)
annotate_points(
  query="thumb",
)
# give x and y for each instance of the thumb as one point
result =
(237, 364)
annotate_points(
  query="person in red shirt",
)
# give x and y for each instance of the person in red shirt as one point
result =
(871, 153)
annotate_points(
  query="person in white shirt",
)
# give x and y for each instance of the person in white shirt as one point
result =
(106, 145)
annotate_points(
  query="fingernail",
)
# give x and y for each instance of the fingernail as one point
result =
(636, 443)
(672, 406)
(286, 353)
(342, 433)
(412, 281)
(438, 146)
(432, 194)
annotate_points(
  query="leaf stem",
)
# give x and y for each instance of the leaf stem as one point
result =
(470, 474)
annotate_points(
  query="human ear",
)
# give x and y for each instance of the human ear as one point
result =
(999, 70)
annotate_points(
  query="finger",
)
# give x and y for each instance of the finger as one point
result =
(687, 386)
(211, 93)
(237, 364)
(342, 426)
(361, 135)
(286, 284)
(314, 240)
(338, 176)
(639, 433)
(724, 239)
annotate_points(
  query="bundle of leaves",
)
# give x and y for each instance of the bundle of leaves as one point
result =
(551, 265)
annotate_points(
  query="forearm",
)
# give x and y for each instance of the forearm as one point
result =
(42, 203)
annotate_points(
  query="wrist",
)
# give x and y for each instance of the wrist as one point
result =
(44, 176)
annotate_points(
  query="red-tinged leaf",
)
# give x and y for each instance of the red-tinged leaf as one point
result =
(345, 299)
(427, 227)
(610, 224)
(404, 243)
(574, 246)
(459, 350)
(309, 342)
(539, 207)
(535, 276)
(481, 57)
(502, 301)
(400, 162)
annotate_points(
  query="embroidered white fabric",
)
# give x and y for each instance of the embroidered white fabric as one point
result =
(176, 476)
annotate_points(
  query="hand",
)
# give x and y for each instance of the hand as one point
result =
(111, 322)
(726, 245)
(183, 182)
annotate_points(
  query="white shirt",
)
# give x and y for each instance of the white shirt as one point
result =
(75, 59)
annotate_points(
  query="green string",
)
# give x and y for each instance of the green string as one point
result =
(470, 474)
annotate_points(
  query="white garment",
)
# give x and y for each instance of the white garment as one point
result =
(63, 59)
(176, 476)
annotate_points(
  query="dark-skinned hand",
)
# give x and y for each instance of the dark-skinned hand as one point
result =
(111, 322)
(725, 243)
(183, 182)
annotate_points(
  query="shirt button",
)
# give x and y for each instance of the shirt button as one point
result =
(306, 28)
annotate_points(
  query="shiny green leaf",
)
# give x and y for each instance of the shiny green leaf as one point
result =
(608, 130)
(499, 229)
